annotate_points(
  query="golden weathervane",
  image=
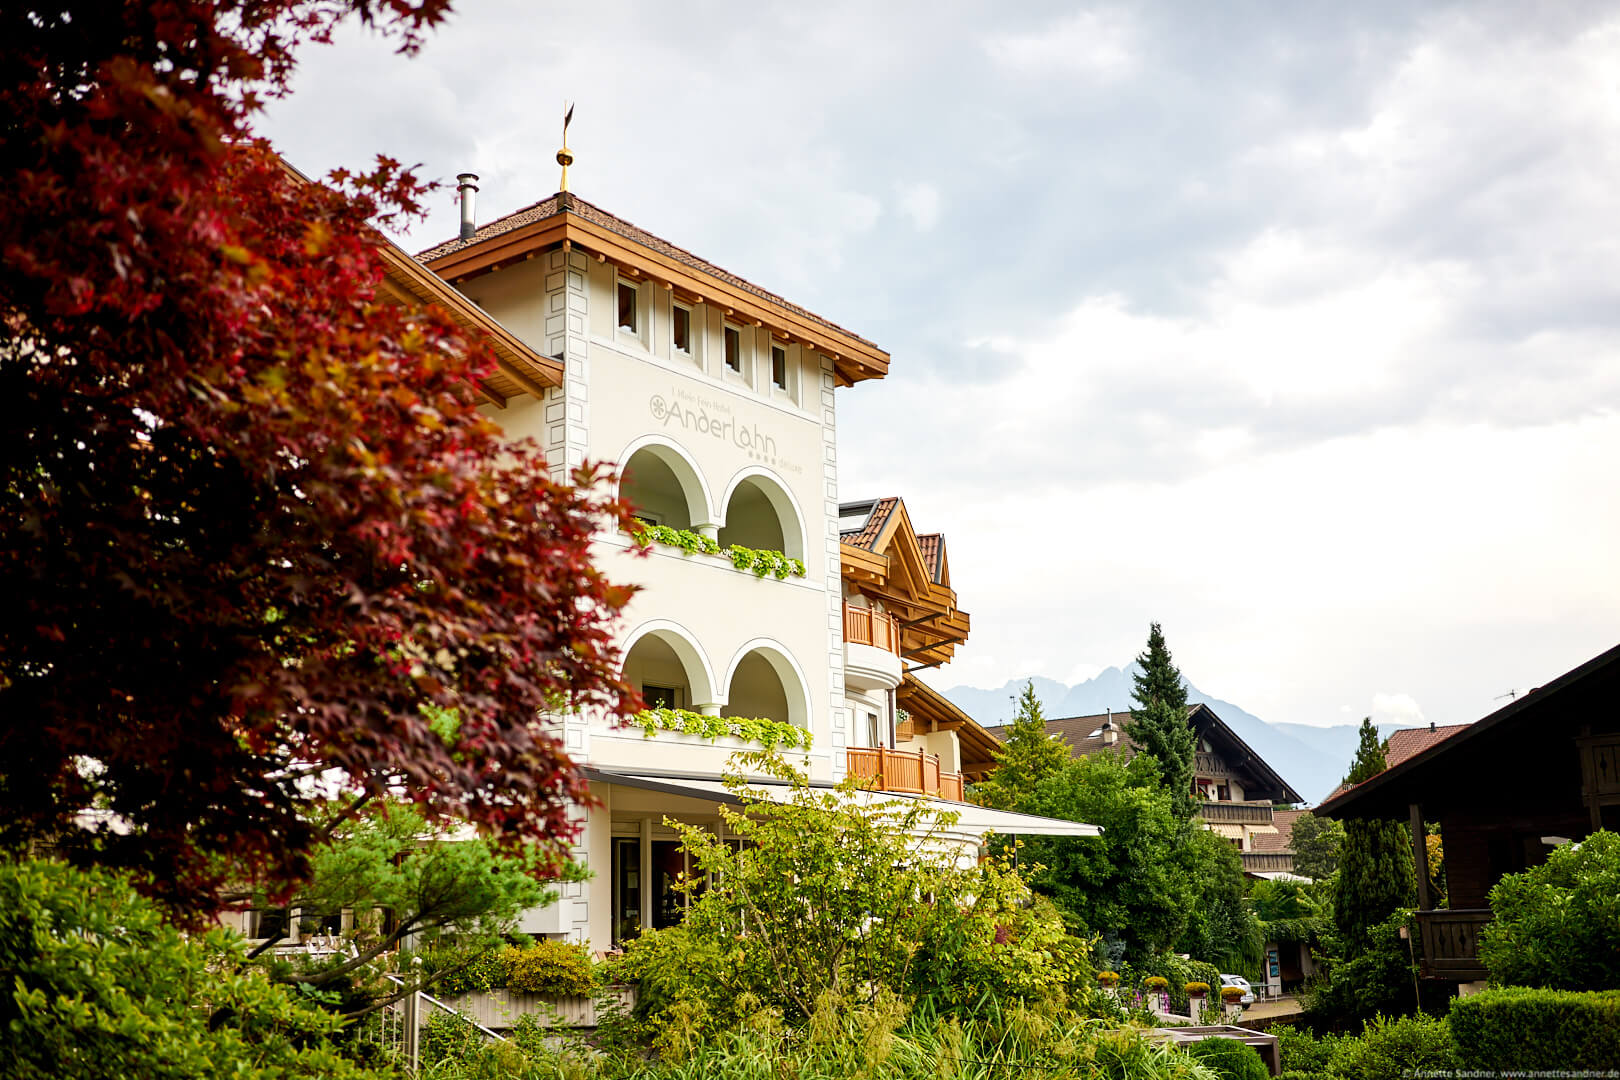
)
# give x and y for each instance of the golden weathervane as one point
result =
(564, 158)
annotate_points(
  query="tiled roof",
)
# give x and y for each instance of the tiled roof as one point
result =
(1283, 838)
(568, 203)
(1076, 731)
(1406, 743)
(1411, 741)
(932, 545)
(867, 535)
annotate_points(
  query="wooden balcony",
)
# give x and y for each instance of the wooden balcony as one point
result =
(1451, 943)
(1262, 862)
(1236, 813)
(910, 772)
(863, 626)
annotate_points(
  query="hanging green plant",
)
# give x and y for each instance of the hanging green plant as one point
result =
(762, 561)
(770, 734)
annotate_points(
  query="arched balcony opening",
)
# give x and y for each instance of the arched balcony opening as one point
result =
(663, 488)
(765, 683)
(760, 514)
(666, 668)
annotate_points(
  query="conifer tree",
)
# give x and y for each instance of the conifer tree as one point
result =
(1159, 724)
(1027, 756)
(1375, 859)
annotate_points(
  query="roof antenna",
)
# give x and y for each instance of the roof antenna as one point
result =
(564, 158)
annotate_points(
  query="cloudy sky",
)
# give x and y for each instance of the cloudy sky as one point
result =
(1293, 327)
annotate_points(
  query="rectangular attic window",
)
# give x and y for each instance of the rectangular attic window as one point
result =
(681, 328)
(778, 366)
(733, 338)
(629, 299)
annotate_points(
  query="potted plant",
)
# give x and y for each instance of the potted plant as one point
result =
(1158, 988)
(1109, 981)
(1197, 995)
(1232, 998)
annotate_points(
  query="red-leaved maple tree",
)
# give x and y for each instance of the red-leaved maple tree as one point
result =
(253, 532)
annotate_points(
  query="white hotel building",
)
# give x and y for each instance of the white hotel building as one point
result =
(717, 401)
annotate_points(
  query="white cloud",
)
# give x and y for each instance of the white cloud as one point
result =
(1399, 709)
(1093, 45)
(921, 203)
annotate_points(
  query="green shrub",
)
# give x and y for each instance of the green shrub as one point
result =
(1299, 1074)
(1558, 924)
(99, 983)
(1230, 1059)
(1391, 1049)
(1302, 1051)
(447, 1037)
(1520, 1028)
(487, 972)
(550, 967)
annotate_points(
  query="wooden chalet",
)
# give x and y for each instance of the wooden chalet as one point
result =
(1235, 786)
(899, 601)
(1505, 790)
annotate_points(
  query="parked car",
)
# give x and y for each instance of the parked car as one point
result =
(1243, 984)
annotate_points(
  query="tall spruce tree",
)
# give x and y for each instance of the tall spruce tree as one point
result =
(1159, 724)
(1375, 860)
(1027, 756)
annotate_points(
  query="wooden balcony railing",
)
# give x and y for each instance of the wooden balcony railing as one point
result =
(1261, 862)
(912, 772)
(863, 626)
(1451, 943)
(1236, 813)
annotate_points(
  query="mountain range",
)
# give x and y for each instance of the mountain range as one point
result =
(1312, 759)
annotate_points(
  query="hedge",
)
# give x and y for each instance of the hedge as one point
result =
(1517, 1027)
(1230, 1059)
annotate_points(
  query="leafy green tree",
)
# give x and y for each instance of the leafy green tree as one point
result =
(1134, 880)
(1158, 724)
(1379, 979)
(99, 983)
(1376, 876)
(435, 887)
(1221, 927)
(1317, 842)
(835, 895)
(1557, 925)
(1028, 755)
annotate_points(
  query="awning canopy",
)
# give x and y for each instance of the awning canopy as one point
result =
(972, 821)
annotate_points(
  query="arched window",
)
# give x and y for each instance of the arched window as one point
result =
(666, 666)
(761, 514)
(663, 487)
(765, 682)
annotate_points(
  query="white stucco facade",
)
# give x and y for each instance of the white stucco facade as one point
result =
(742, 452)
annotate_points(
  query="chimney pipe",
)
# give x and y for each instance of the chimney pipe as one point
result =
(467, 188)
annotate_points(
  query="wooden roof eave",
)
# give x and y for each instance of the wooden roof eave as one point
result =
(408, 280)
(853, 359)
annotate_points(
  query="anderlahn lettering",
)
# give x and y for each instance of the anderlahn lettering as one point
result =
(698, 419)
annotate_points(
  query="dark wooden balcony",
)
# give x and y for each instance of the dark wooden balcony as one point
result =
(1236, 813)
(1263, 862)
(910, 772)
(1451, 943)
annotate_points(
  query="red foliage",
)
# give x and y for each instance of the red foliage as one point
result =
(250, 521)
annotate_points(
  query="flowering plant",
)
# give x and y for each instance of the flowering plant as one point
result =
(1196, 989)
(1108, 978)
(1232, 995)
(1156, 983)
